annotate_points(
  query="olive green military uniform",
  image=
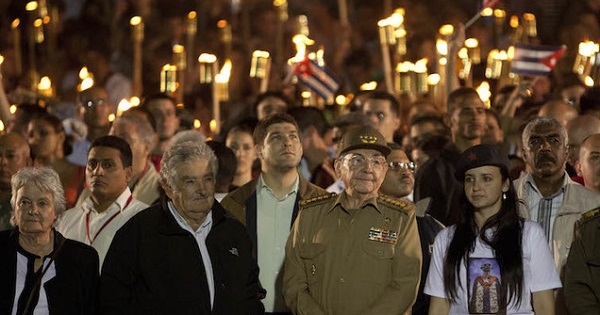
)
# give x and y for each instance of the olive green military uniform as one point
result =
(582, 278)
(352, 261)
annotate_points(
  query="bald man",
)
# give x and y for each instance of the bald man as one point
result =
(559, 110)
(14, 155)
(589, 162)
(579, 129)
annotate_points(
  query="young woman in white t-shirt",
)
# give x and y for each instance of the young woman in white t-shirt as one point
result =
(492, 261)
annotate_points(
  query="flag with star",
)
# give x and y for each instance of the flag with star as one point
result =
(535, 60)
(319, 79)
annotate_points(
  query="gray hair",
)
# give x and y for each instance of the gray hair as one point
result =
(45, 179)
(187, 135)
(544, 121)
(143, 127)
(186, 151)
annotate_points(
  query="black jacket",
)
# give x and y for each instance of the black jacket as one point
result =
(74, 288)
(155, 267)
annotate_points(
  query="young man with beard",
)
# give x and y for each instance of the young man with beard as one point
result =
(268, 205)
(435, 178)
(550, 197)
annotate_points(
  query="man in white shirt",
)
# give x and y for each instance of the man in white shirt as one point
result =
(551, 197)
(185, 254)
(268, 205)
(110, 204)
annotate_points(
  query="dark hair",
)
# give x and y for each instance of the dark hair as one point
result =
(157, 96)
(270, 94)
(590, 100)
(506, 244)
(458, 95)
(309, 116)
(260, 132)
(140, 111)
(116, 143)
(385, 96)
(227, 164)
(58, 127)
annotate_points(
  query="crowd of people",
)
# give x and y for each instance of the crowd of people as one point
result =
(395, 203)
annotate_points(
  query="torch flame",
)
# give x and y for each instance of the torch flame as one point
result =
(223, 76)
(15, 23)
(369, 86)
(84, 73)
(136, 20)
(123, 106)
(484, 92)
(207, 58)
(31, 6)
(421, 65)
(433, 79)
(86, 84)
(1, 59)
(44, 84)
(301, 41)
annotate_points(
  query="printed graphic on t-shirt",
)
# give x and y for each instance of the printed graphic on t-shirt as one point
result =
(483, 275)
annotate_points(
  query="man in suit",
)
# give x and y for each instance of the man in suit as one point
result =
(184, 255)
(268, 205)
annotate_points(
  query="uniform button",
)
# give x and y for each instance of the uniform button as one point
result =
(342, 280)
(380, 253)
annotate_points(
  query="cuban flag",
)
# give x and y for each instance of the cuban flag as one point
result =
(535, 60)
(316, 78)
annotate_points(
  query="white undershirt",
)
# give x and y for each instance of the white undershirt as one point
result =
(200, 236)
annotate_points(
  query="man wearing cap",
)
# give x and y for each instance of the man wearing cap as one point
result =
(357, 252)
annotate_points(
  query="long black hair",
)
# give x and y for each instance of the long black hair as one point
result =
(505, 241)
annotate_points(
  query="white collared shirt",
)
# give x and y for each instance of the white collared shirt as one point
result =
(534, 197)
(200, 236)
(73, 223)
(273, 223)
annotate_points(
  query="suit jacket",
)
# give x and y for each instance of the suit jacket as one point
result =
(74, 288)
(241, 203)
(155, 267)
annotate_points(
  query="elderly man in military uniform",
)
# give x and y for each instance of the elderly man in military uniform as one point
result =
(357, 252)
(582, 279)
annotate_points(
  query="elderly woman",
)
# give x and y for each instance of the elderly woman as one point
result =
(492, 261)
(41, 272)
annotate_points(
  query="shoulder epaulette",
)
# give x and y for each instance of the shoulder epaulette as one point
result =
(316, 200)
(396, 203)
(594, 213)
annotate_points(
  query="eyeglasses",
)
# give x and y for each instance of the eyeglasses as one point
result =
(93, 103)
(397, 166)
(358, 160)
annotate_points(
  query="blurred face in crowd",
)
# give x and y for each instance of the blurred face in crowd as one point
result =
(140, 150)
(193, 190)
(44, 140)
(384, 119)
(467, 118)
(399, 178)
(269, 106)
(545, 151)
(14, 155)
(242, 144)
(589, 162)
(362, 171)
(164, 112)
(105, 174)
(281, 149)
(493, 134)
(96, 107)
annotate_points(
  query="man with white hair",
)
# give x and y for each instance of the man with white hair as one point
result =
(184, 255)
